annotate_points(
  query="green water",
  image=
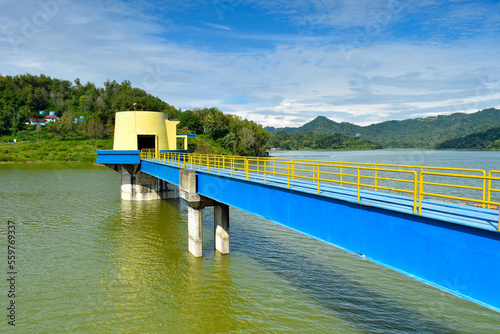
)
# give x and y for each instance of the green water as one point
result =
(88, 262)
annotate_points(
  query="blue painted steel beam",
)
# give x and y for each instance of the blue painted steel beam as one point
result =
(109, 157)
(167, 173)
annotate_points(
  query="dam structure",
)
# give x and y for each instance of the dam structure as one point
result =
(435, 224)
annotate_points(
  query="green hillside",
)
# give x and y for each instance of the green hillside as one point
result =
(486, 140)
(412, 133)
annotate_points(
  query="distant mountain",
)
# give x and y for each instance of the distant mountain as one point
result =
(411, 133)
(321, 124)
(485, 140)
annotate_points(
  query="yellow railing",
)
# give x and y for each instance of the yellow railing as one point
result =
(492, 190)
(416, 181)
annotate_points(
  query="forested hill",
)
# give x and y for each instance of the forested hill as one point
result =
(317, 141)
(411, 133)
(23, 96)
(486, 140)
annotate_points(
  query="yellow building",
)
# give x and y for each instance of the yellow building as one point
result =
(137, 130)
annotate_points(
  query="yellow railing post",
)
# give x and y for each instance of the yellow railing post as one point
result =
(420, 195)
(318, 174)
(484, 188)
(489, 192)
(359, 185)
(340, 172)
(246, 168)
(288, 173)
(376, 178)
(265, 171)
(415, 192)
(293, 170)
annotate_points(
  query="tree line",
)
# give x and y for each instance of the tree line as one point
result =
(317, 141)
(238, 136)
(23, 96)
(485, 140)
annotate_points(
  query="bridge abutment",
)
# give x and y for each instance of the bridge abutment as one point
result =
(196, 204)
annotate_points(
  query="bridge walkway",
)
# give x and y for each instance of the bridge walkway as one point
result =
(482, 218)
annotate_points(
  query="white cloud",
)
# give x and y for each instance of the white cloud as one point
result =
(218, 26)
(292, 82)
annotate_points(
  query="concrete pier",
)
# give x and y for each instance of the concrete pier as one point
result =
(196, 204)
(139, 186)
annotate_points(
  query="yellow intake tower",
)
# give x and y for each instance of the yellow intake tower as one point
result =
(137, 130)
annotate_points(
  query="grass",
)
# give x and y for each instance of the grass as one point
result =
(84, 150)
(79, 150)
(54, 150)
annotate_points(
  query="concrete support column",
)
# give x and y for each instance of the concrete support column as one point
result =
(196, 204)
(195, 231)
(221, 227)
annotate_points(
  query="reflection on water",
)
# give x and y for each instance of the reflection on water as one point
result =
(90, 262)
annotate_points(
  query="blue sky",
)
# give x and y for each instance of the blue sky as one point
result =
(279, 63)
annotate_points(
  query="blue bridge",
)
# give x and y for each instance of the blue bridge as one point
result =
(437, 225)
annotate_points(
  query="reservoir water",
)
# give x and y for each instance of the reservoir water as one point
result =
(87, 262)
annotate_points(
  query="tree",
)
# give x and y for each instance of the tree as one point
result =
(191, 120)
(216, 124)
(67, 122)
(95, 128)
(247, 139)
